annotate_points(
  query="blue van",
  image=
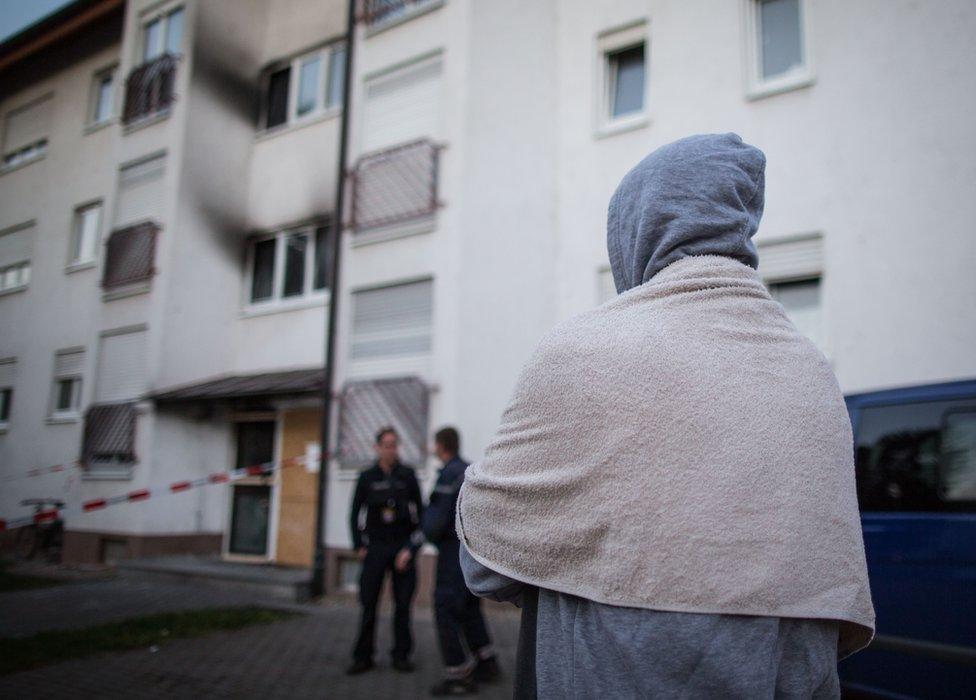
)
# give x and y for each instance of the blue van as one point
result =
(915, 456)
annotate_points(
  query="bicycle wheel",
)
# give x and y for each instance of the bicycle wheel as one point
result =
(26, 544)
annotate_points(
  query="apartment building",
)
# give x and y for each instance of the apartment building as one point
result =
(486, 139)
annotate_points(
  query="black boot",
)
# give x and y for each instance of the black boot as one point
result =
(487, 670)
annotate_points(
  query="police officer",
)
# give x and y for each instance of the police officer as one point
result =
(389, 542)
(457, 611)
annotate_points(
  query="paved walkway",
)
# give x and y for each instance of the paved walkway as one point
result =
(303, 657)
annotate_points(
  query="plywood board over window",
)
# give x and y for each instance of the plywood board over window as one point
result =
(298, 484)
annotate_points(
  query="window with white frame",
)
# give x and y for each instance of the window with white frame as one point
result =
(801, 301)
(308, 85)
(102, 106)
(778, 54)
(162, 33)
(16, 251)
(8, 369)
(25, 132)
(66, 391)
(85, 233)
(792, 269)
(289, 265)
(623, 75)
(392, 321)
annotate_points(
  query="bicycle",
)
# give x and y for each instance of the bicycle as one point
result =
(45, 534)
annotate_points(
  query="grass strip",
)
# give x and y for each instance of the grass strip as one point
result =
(52, 647)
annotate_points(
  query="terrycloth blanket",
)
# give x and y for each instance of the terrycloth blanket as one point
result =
(680, 448)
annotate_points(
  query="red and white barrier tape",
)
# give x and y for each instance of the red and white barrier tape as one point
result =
(40, 471)
(145, 494)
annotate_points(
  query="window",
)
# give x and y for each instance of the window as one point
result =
(121, 372)
(85, 233)
(25, 132)
(16, 250)
(402, 105)
(108, 444)
(289, 265)
(103, 97)
(792, 269)
(66, 396)
(606, 288)
(402, 402)
(777, 52)
(623, 78)
(130, 255)
(162, 34)
(317, 89)
(801, 301)
(140, 192)
(392, 321)
(917, 456)
(8, 369)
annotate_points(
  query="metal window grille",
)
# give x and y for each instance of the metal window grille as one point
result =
(129, 255)
(149, 88)
(395, 184)
(376, 11)
(366, 406)
(110, 434)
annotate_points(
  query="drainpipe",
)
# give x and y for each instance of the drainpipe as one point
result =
(317, 584)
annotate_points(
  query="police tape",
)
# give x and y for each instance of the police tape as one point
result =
(50, 514)
(40, 471)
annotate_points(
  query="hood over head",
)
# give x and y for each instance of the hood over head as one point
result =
(700, 195)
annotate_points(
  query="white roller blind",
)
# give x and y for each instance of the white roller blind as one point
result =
(140, 194)
(16, 246)
(392, 321)
(792, 259)
(8, 371)
(402, 106)
(27, 125)
(69, 363)
(121, 367)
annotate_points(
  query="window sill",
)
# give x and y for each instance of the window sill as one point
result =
(297, 125)
(778, 86)
(107, 473)
(408, 14)
(147, 121)
(4, 169)
(623, 125)
(129, 290)
(275, 307)
(63, 419)
(13, 290)
(79, 266)
(98, 126)
(391, 232)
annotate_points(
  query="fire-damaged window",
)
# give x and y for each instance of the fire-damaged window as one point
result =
(366, 406)
(304, 87)
(289, 265)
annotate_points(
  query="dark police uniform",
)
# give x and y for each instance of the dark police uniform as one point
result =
(393, 512)
(457, 610)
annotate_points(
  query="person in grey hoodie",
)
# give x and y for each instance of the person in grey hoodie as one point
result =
(700, 196)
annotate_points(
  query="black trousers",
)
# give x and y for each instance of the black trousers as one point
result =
(457, 611)
(379, 559)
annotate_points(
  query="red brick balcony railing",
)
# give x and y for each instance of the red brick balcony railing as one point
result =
(377, 11)
(394, 185)
(149, 89)
(129, 255)
(110, 435)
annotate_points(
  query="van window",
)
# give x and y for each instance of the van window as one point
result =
(917, 456)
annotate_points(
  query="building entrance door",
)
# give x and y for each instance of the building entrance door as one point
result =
(251, 505)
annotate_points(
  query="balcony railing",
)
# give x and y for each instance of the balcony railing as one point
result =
(129, 255)
(110, 435)
(378, 11)
(149, 89)
(394, 185)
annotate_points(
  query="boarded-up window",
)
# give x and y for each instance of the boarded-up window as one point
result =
(370, 405)
(109, 438)
(27, 126)
(402, 106)
(392, 321)
(121, 374)
(140, 196)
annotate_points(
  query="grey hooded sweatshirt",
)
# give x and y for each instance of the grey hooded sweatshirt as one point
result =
(702, 195)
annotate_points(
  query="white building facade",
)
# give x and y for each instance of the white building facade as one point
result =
(486, 140)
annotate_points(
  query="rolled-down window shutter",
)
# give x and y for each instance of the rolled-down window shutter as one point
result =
(16, 246)
(140, 196)
(8, 372)
(109, 436)
(402, 106)
(392, 321)
(27, 125)
(798, 258)
(367, 406)
(121, 374)
(69, 363)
